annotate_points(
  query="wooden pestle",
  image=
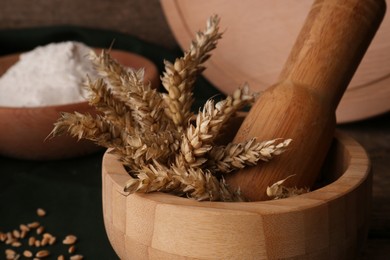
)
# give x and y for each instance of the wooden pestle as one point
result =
(302, 105)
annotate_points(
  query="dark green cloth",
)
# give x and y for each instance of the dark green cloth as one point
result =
(70, 190)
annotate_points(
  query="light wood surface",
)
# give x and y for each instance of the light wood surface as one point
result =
(302, 103)
(330, 222)
(23, 130)
(258, 36)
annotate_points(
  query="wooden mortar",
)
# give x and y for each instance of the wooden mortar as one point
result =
(302, 105)
(330, 222)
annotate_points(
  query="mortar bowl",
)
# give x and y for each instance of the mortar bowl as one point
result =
(330, 222)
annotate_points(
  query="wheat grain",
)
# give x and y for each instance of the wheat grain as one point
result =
(69, 240)
(27, 253)
(71, 249)
(34, 224)
(31, 241)
(42, 253)
(16, 233)
(16, 244)
(24, 227)
(41, 212)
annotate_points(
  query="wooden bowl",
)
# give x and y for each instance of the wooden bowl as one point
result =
(24, 129)
(258, 37)
(331, 222)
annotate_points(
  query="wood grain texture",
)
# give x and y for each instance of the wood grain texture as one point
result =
(302, 104)
(23, 131)
(328, 223)
(258, 36)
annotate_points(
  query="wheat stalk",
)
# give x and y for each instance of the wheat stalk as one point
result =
(116, 111)
(228, 107)
(87, 127)
(117, 76)
(130, 148)
(179, 77)
(192, 182)
(151, 132)
(145, 103)
(198, 139)
(226, 159)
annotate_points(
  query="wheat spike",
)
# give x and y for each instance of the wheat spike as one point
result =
(192, 182)
(116, 111)
(179, 77)
(232, 157)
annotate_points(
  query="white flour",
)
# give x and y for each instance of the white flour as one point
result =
(48, 75)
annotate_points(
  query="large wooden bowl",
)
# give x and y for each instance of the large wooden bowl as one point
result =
(330, 222)
(23, 130)
(258, 37)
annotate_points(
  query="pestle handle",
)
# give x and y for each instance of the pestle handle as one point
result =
(331, 45)
(302, 105)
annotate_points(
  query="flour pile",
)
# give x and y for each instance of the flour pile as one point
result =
(48, 75)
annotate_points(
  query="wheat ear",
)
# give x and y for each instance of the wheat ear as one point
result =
(179, 77)
(192, 182)
(115, 110)
(225, 159)
(88, 127)
(145, 103)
